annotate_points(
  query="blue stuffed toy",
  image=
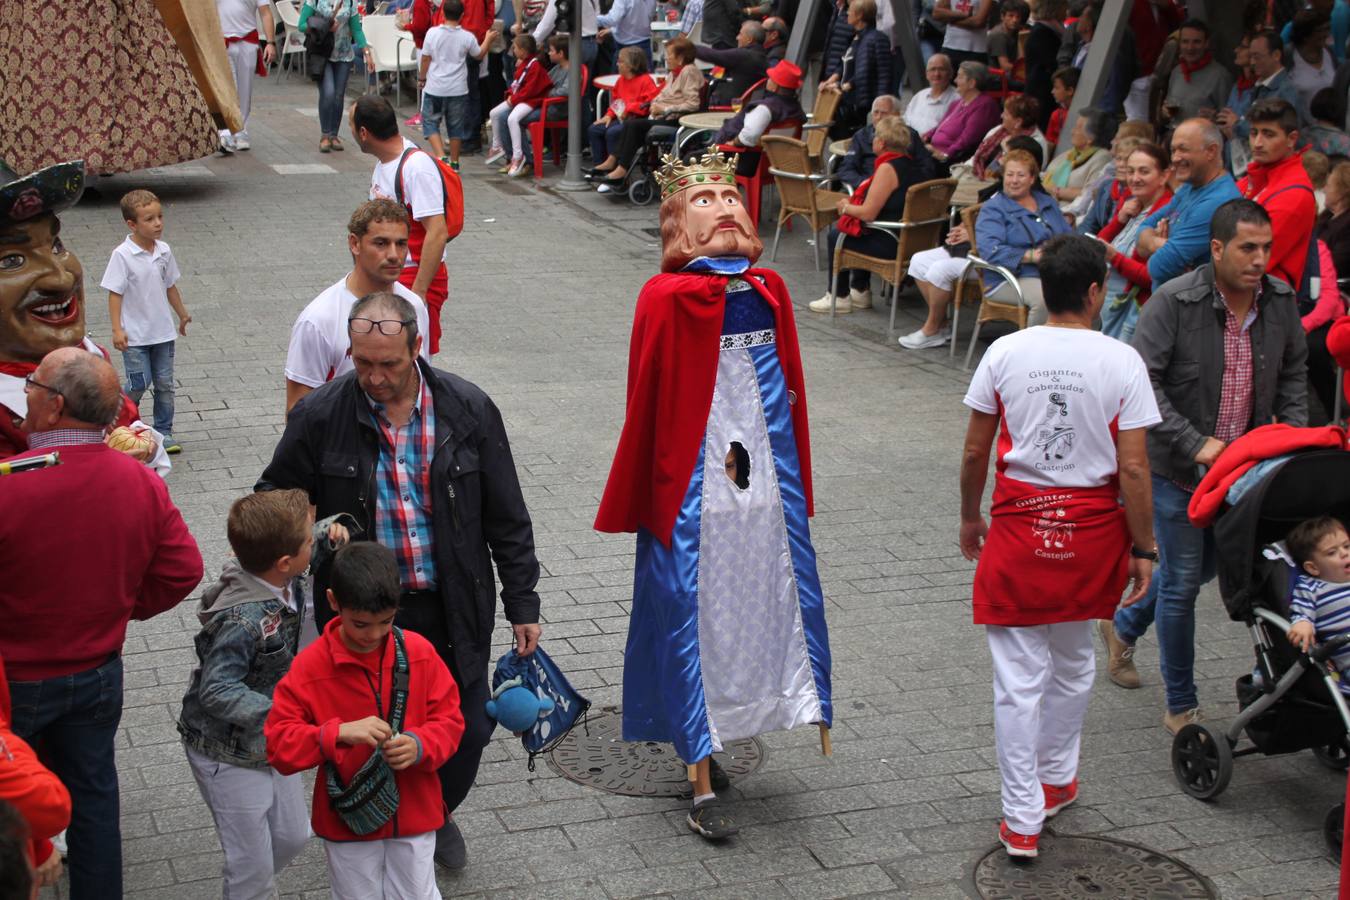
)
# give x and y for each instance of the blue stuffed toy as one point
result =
(516, 707)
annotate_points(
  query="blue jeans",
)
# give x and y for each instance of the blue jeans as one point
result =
(604, 140)
(1186, 562)
(152, 365)
(332, 91)
(72, 720)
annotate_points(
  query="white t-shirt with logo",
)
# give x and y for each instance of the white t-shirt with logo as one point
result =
(967, 39)
(143, 278)
(1062, 394)
(320, 346)
(239, 17)
(448, 46)
(423, 188)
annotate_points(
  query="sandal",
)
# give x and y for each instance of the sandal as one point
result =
(336, 144)
(325, 144)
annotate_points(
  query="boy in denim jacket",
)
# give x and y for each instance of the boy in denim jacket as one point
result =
(251, 622)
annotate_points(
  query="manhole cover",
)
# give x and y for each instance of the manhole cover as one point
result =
(1071, 867)
(599, 757)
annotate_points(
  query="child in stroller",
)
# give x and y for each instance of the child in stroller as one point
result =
(1320, 605)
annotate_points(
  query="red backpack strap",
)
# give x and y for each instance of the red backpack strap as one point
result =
(398, 177)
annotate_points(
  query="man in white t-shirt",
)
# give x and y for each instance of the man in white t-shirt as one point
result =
(422, 192)
(320, 348)
(967, 35)
(239, 21)
(1071, 408)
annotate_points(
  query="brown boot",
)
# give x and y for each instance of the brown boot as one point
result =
(1120, 669)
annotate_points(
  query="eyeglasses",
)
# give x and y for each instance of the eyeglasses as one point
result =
(29, 382)
(387, 327)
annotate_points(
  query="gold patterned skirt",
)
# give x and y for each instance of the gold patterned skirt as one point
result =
(99, 80)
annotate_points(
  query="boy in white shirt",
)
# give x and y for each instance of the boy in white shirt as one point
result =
(444, 76)
(142, 285)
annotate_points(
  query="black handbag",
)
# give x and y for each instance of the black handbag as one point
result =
(371, 798)
(318, 44)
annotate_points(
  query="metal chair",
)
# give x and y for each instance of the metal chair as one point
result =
(990, 310)
(919, 228)
(799, 190)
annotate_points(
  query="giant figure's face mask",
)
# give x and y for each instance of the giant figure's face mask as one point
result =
(717, 222)
(41, 290)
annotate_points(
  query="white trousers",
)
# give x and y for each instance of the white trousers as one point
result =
(937, 267)
(401, 868)
(1042, 684)
(261, 820)
(1032, 292)
(517, 114)
(243, 58)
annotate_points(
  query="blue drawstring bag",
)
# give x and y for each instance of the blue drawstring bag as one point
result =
(539, 674)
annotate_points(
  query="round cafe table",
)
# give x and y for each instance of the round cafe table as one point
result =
(697, 123)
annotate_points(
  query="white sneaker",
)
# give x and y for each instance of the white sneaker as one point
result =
(606, 189)
(495, 155)
(860, 299)
(519, 169)
(842, 305)
(241, 141)
(226, 142)
(920, 341)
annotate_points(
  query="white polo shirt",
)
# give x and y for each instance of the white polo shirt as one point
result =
(143, 278)
(239, 17)
(320, 346)
(925, 111)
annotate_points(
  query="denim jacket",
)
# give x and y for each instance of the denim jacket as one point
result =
(246, 645)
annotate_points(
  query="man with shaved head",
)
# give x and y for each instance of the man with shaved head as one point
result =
(1175, 239)
(65, 622)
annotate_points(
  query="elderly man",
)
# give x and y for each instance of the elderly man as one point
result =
(776, 34)
(926, 108)
(420, 457)
(744, 65)
(65, 623)
(857, 163)
(1226, 353)
(42, 296)
(1199, 84)
(320, 349)
(1176, 237)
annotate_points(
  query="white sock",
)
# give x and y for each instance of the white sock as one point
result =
(700, 799)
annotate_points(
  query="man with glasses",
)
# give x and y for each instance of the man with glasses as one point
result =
(377, 238)
(65, 624)
(421, 458)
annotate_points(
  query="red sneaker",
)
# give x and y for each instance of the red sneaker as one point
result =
(1056, 798)
(1023, 845)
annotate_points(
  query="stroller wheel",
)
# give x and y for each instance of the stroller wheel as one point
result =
(1334, 756)
(642, 191)
(1202, 761)
(1333, 829)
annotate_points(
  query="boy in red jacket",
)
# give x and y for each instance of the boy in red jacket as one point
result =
(333, 709)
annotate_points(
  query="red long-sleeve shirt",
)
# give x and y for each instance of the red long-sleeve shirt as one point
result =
(531, 86)
(86, 546)
(477, 17)
(1132, 267)
(327, 685)
(637, 93)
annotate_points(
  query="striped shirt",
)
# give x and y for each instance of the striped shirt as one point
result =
(403, 490)
(1327, 607)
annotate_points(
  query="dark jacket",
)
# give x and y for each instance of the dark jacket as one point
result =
(744, 65)
(838, 37)
(246, 645)
(859, 162)
(1043, 43)
(782, 106)
(1180, 337)
(330, 448)
(721, 22)
(1334, 231)
(867, 66)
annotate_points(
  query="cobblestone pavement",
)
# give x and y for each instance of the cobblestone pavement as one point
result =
(543, 286)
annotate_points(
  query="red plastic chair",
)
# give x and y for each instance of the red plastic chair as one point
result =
(744, 99)
(558, 127)
(753, 185)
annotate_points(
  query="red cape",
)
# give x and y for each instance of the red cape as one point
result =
(672, 368)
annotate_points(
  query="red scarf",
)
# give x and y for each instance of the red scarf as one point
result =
(1187, 69)
(852, 225)
(987, 152)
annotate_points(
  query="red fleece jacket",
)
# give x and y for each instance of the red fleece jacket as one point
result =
(327, 685)
(86, 546)
(531, 85)
(1286, 193)
(1253, 447)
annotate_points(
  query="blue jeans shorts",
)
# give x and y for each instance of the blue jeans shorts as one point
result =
(454, 111)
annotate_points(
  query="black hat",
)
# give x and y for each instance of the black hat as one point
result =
(48, 190)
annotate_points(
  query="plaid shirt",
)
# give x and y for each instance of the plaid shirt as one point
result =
(64, 437)
(1235, 394)
(403, 490)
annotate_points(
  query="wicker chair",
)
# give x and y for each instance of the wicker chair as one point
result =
(817, 129)
(790, 166)
(990, 310)
(918, 229)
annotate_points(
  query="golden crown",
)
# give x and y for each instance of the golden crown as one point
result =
(712, 168)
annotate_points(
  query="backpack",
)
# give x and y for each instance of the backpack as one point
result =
(539, 673)
(452, 191)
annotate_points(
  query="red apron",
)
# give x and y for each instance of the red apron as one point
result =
(1051, 555)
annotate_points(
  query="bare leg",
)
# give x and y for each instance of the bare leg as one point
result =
(618, 172)
(455, 144)
(702, 779)
(609, 163)
(437, 145)
(937, 300)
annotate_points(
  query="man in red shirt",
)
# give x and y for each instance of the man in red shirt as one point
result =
(1276, 180)
(65, 623)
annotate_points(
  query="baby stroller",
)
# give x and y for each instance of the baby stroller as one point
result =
(1292, 702)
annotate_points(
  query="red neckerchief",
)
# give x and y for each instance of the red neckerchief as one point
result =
(852, 224)
(1187, 69)
(987, 152)
(1245, 84)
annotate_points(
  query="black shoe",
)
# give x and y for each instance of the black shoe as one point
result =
(707, 820)
(450, 850)
(718, 776)
(592, 174)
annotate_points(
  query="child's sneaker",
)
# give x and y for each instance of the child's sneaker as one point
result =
(1017, 845)
(1056, 798)
(518, 169)
(171, 445)
(454, 165)
(495, 155)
